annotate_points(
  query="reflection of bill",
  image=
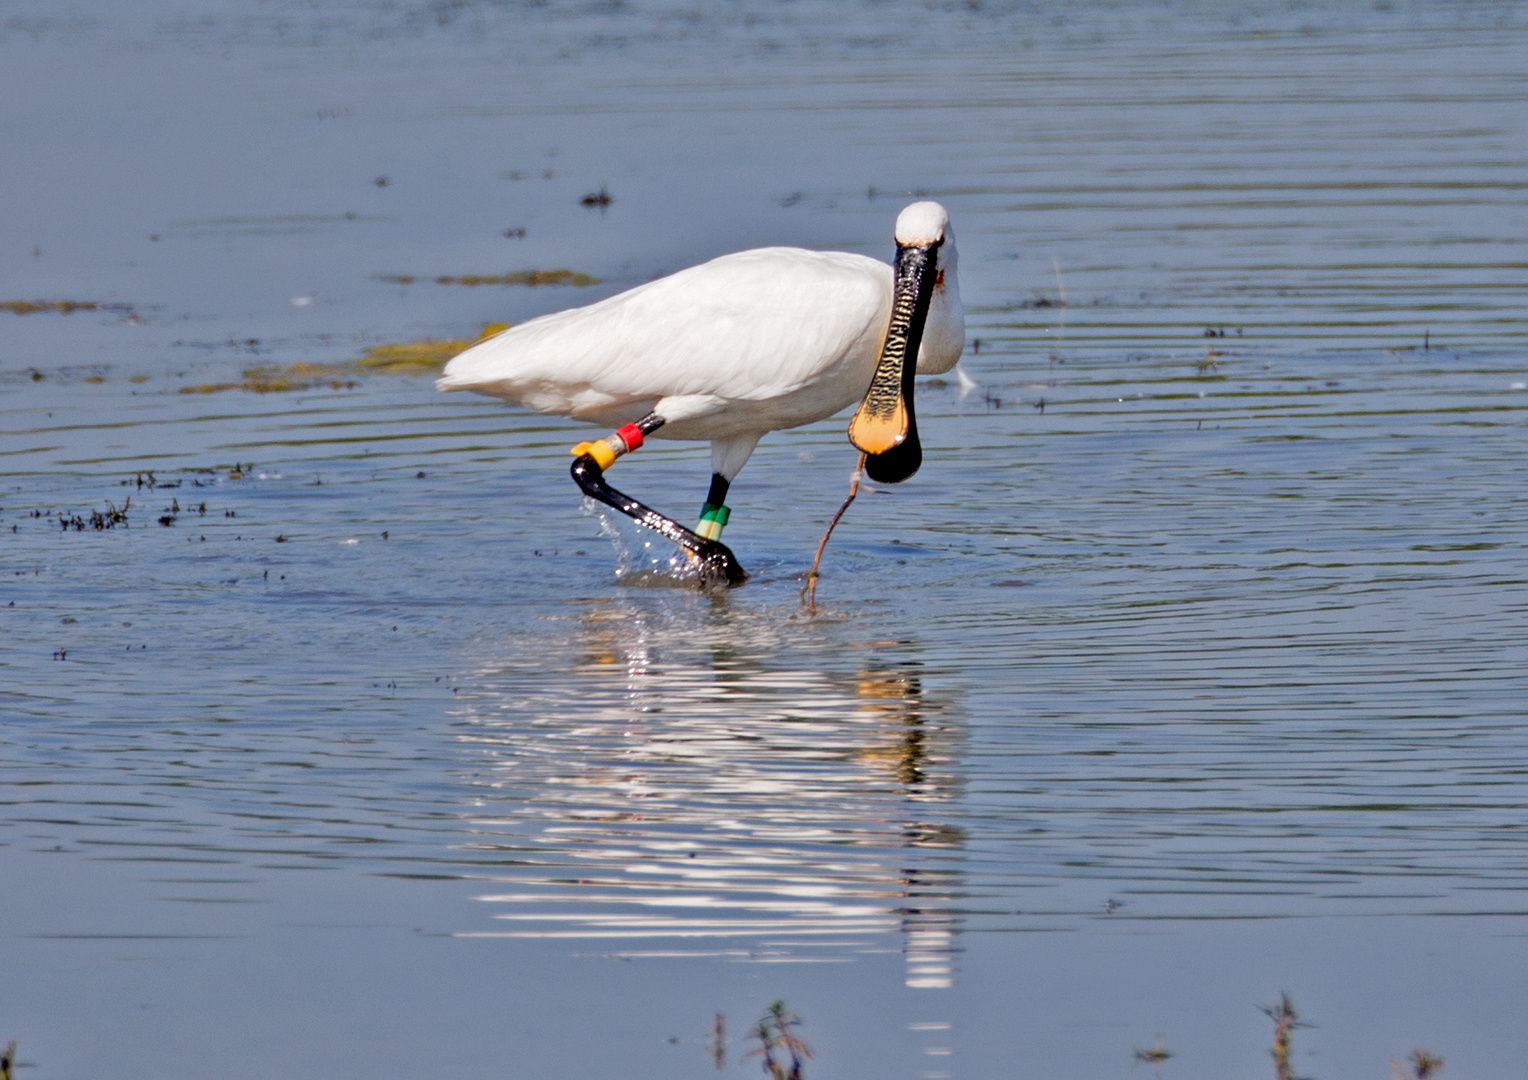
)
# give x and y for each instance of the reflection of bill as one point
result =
(691, 786)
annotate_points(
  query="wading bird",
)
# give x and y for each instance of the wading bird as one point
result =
(728, 350)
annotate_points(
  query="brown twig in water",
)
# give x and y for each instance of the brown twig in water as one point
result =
(811, 575)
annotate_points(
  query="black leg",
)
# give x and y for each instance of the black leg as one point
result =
(717, 563)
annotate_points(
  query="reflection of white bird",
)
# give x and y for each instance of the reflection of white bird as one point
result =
(736, 347)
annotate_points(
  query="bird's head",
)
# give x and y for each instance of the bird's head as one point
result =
(925, 335)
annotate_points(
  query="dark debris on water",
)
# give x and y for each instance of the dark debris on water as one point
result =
(112, 516)
(99, 520)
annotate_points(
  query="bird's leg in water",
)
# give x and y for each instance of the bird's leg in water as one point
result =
(590, 462)
(714, 514)
(811, 575)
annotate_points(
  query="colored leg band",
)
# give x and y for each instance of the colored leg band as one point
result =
(713, 519)
(623, 440)
(631, 435)
(603, 451)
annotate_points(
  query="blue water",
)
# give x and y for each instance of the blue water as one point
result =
(1188, 670)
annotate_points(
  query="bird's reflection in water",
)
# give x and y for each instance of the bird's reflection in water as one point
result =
(688, 778)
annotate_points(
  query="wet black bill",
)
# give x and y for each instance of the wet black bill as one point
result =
(885, 426)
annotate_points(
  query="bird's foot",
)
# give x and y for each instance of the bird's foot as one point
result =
(718, 566)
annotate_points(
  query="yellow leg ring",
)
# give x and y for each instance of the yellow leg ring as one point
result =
(601, 451)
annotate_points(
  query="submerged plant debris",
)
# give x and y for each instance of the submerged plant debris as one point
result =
(1155, 1054)
(424, 357)
(1419, 1065)
(99, 520)
(783, 1051)
(282, 378)
(514, 277)
(63, 307)
(32, 307)
(1285, 1020)
(421, 357)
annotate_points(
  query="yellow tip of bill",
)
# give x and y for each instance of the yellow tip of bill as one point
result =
(876, 434)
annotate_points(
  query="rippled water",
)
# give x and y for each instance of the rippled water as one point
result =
(1190, 667)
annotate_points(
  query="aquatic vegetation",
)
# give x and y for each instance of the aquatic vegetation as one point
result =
(421, 357)
(1285, 1020)
(7, 1060)
(282, 378)
(390, 358)
(1420, 1064)
(522, 277)
(719, 1041)
(1155, 1054)
(514, 277)
(777, 1040)
(99, 520)
(64, 307)
(32, 307)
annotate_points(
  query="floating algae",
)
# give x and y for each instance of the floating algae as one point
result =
(392, 358)
(425, 357)
(412, 357)
(422, 357)
(514, 277)
(282, 378)
(63, 307)
(32, 307)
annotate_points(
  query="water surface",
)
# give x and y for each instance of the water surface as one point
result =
(1189, 669)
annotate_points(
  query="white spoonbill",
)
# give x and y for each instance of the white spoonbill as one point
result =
(733, 348)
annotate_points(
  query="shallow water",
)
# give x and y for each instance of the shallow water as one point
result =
(1189, 669)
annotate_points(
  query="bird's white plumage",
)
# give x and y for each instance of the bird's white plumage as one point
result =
(726, 351)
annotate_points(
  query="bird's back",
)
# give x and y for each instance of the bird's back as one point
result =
(759, 326)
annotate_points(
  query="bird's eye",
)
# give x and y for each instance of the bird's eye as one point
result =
(939, 279)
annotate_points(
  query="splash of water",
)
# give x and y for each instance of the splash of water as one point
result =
(643, 560)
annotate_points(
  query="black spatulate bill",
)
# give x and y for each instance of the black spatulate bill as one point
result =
(884, 425)
(902, 460)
